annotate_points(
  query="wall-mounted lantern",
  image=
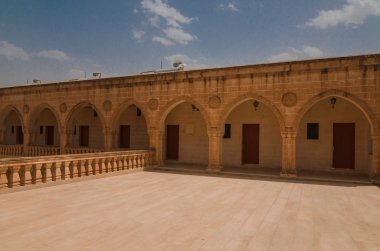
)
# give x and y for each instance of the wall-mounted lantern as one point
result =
(333, 101)
(256, 104)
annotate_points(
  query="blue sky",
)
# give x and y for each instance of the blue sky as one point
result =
(61, 40)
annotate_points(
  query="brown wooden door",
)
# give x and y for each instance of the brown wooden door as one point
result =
(125, 136)
(251, 142)
(172, 142)
(344, 145)
(49, 135)
(84, 136)
(19, 135)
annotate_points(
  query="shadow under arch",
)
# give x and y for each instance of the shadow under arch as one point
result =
(81, 105)
(250, 96)
(5, 111)
(164, 112)
(356, 101)
(37, 111)
(125, 105)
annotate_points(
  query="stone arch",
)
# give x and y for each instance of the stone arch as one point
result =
(73, 140)
(84, 104)
(121, 108)
(251, 96)
(192, 129)
(137, 129)
(5, 135)
(163, 113)
(5, 111)
(36, 112)
(356, 101)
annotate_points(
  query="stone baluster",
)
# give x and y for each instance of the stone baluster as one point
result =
(114, 164)
(81, 169)
(134, 161)
(102, 166)
(28, 174)
(130, 164)
(107, 164)
(53, 171)
(88, 167)
(73, 169)
(58, 171)
(65, 170)
(125, 162)
(120, 164)
(143, 160)
(3, 177)
(38, 173)
(14, 176)
(139, 161)
(95, 166)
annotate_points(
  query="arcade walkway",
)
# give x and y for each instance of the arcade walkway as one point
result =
(168, 211)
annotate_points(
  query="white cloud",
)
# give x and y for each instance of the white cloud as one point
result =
(178, 35)
(191, 63)
(353, 13)
(12, 52)
(138, 34)
(171, 27)
(53, 54)
(162, 41)
(231, 6)
(159, 8)
(306, 52)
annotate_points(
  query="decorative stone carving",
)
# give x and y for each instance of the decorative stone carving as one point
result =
(25, 109)
(107, 105)
(63, 107)
(153, 104)
(289, 99)
(214, 102)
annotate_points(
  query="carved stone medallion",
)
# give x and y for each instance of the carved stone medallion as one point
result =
(289, 99)
(153, 104)
(214, 102)
(107, 105)
(25, 109)
(63, 107)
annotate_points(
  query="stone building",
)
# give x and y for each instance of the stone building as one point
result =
(320, 115)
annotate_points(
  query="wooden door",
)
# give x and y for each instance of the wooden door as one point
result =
(19, 135)
(172, 142)
(344, 145)
(124, 136)
(84, 136)
(49, 135)
(251, 142)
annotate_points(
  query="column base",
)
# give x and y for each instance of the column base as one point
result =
(287, 174)
(214, 169)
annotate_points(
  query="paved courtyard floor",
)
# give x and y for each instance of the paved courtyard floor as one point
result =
(168, 211)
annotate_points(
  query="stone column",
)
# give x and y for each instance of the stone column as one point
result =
(63, 135)
(107, 140)
(288, 152)
(156, 143)
(214, 149)
(26, 144)
(375, 165)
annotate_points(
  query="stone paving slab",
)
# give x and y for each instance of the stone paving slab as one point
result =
(167, 211)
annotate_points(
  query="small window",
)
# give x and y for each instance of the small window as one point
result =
(227, 131)
(95, 114)
(312, 131)
(138, 112)
(41, 129)
(13, 129)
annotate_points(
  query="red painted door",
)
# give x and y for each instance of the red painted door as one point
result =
(125, 133)
(344, 145)
(251, 142)
(172, 142)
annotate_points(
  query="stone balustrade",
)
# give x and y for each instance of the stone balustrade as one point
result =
(25, 171)
(11, 150)
(43, 151)
(81, 150)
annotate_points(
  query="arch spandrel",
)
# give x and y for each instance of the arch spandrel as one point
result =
(125, 105)
(356, 101)
(84, 104)
(228, 108)
(164, 111)
(37, 111)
